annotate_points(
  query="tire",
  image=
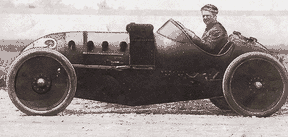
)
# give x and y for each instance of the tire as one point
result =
(254, 84)
(41, 82)
(220, 103)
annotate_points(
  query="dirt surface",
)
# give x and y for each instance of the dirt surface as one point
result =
(94, 118)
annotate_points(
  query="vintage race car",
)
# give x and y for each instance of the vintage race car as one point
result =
(140, 67)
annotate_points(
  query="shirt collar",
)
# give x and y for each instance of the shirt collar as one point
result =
(209, 26)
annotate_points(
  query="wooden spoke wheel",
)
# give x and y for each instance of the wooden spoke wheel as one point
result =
(41, 82)
(254, 84)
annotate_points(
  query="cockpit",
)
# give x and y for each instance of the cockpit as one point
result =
(177, 32)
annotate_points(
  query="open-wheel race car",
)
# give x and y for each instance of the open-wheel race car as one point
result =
(141, 67)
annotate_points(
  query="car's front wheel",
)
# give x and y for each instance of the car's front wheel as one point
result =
(255, 84)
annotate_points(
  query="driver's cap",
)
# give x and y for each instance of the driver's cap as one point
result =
(211, 8)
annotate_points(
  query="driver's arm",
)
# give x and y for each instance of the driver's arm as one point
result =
(209, 41)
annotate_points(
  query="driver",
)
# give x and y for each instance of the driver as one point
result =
(215, 35)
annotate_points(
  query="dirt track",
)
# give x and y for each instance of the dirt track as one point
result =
(93, 118)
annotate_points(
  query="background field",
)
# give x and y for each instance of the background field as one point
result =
(9, 49)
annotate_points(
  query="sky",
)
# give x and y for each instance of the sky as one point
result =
(149, 4)
(31, 19)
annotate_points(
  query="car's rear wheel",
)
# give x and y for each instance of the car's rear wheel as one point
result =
(41, 82)
(254, 84)
(220, 102)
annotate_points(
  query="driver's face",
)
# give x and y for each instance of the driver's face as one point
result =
(208, 17)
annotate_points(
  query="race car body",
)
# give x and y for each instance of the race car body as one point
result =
(142, 67)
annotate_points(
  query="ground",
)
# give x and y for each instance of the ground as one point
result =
(94, 118)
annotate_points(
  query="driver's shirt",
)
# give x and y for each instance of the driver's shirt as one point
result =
(213, 39)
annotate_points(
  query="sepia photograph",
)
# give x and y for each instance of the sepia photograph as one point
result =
(123, 68)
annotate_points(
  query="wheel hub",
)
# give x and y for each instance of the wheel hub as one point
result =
(256, 84)
(41, 84)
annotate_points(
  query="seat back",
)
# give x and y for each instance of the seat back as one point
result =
(142, 44)
(225, 47)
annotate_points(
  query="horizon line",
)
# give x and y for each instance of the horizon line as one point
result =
(148, 12)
